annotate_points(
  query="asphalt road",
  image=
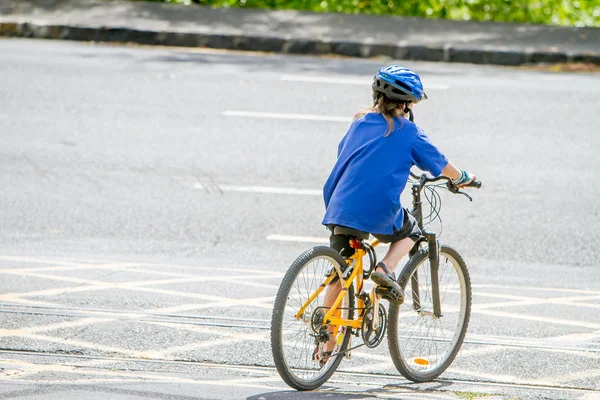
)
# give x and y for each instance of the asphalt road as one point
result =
(138, 183)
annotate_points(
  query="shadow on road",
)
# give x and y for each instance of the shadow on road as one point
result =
(432, 390)
(329, 395)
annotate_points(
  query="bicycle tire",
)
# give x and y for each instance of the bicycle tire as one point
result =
(408, 328)
(302, 373)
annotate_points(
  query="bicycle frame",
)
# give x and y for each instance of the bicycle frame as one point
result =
(356, 267)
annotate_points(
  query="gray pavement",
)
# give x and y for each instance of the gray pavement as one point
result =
(299, 32)
(150, 209)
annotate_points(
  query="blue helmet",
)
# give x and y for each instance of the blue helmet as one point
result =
(399, 83)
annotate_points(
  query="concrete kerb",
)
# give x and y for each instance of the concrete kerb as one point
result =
(445, 53)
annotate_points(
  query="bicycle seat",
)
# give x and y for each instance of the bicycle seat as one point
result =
(355, 233)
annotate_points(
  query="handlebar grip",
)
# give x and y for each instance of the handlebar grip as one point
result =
(475, 184)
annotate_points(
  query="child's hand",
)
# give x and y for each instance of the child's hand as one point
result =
(464, 179)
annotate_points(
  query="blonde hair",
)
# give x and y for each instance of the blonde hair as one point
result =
(386, 107)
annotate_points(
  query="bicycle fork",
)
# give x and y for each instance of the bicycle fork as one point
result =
(434, 259)
(434, 263)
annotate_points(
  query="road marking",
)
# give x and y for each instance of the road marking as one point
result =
(216, 302)
(39, 260)
(567, 322)
(271, 190)
(76, 343)
(135, 376)
(169, 351)
(299, 239)
(307, 117)
(134, 286)
(137, 268)
(574, 301)
(57, 326)
(343, 80)
(506, 379)
(529, 288)
(264, 189)
(306, 239)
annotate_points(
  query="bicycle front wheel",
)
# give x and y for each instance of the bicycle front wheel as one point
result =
(294, 340)
(422, 345)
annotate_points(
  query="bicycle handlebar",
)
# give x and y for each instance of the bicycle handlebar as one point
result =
(426, 179)
(423, 179)
(475, 184)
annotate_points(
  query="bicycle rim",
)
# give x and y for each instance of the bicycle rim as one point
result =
(293, 340)
(422, 345)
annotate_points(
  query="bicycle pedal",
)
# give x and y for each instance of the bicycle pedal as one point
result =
(390, 294)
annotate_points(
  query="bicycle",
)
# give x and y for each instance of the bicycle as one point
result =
(425, 332)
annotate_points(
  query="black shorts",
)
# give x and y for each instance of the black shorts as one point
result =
(410, 229)
(340, 235)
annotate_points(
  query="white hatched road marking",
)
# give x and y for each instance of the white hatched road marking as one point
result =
(134, 376)
(307, 117)
(530, 288)
(264, 302)
(548, 320)
(346, 80)
(91, 265)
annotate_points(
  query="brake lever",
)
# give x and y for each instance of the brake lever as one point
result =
(452, 188)
(455, 190)
(467, 196)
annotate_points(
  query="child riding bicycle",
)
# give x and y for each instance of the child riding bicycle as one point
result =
(362, 193)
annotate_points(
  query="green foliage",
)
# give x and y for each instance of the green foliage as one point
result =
(471, 395)
(557, 12)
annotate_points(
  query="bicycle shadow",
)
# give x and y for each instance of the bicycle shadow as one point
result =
(434, 389)
(311, 395)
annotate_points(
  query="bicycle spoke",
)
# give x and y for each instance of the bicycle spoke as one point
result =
(426, 344)
(295, 343)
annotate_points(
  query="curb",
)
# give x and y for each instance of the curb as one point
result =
(292, 46)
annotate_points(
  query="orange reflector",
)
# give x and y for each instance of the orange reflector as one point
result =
(421, 361)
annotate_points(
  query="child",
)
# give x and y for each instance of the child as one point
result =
(362, 193)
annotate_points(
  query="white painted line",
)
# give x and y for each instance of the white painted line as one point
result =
(253, 382)
(80, 343)
(573, 301)
(38, 260)
(535, 318)
(504, 379)
(530, 288)
(307, 117)
(305, 239)
(57, 326)
(271, 190)
(299, 239)
(164, 353)
(343, 80)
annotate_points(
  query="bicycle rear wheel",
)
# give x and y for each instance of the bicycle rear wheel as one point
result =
(293, 341)
(423, 346)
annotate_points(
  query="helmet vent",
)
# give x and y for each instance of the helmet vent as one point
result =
(397, 91)
(404, 85)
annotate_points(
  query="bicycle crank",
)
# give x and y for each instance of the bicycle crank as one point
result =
(374, 326)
